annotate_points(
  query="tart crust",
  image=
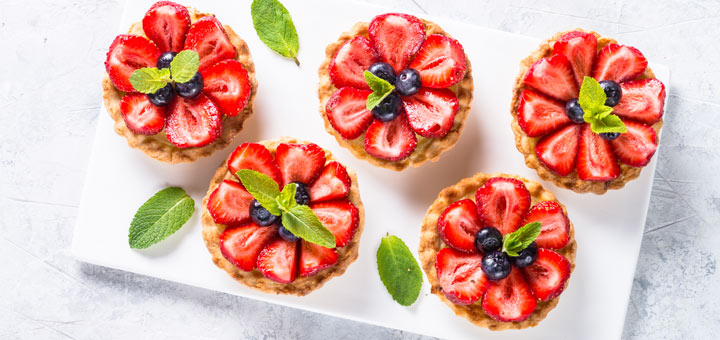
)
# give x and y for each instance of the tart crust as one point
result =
(427, 148)
(211, 232)
(526, 144)
(431, 243)
(157, 146)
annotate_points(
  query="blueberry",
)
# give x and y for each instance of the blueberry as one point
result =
(164, 60)
(261, 216)
(408, 82)
(574, 111)
(488, 239)
(609, 135)
(286, 234)
(388, 109)
(163, 96)
(190, 89)
(496, 265)
(384, 71)
(613, 92)
(526, 256)
(302, 196)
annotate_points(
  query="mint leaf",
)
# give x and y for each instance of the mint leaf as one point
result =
(398, 270)
(302, 222)
(275, 27)
(149, 79)
(520, 239)
(592, 95)
(159, 217)
(263, 188)
(611, 123)
(381, 88)
(184, 66)
(592, 101)
(286, 200)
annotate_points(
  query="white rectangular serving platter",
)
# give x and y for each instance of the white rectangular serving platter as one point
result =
(608, 227)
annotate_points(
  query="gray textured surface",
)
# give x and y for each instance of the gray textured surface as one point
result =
(51, 67)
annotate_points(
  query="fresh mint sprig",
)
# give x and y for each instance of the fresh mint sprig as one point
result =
(592, 100)
(520, 239)
(381, 88)
(398, 270)
(182, 68)
(274, 26)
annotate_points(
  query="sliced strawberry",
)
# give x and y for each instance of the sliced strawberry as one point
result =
(300, 162)
(333, 183)
(636, 146)
(554, 77)
(314, 258)
(255, 157)
(580, 48)
(166, 24)
(440, 61)
(595, 160)
(431, 112)
(510, 299)
(347, 112)
(557, 151)
(460, 276)
(241, 245)
(351, 61)
(642, 100)
(140, 115)
(539, 115)
(619, 63)
(207, 37)
(228, 85)
(128, 53)
(278, 261)
(340, 217)
(396, 37)
(229, 203)
(392, 141)
(193, 122)
(458, 224)
(547, 275)
(555, 231)
(502, 203)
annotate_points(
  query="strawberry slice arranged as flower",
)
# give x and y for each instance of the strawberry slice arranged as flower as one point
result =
(193, 122)
(539, 115)
(555, 232)
(502, 203)
(458, 224)
(127, 54)
(637, 146)
(510, 299)
(254, 157)
(333, 183)
(350, 61)
(396, 37)
(278, 261)
(229, 203)
(340, 217)
(440, 61)
(547, 275)
(619, 63)
(392, 141)
(559, 150)
(347, 112)
(554, 77)
(166, 24)
(207, 37)
(241, 245)
(596, 160)
(642, 100)
(141, 116)
(300, 162)
(580, 48)
(460, 276)
(228, 85)
(314, 258)
(431, 112)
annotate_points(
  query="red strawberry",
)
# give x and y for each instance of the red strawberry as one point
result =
(555, 232)
(503, 203)
(141, 116)
(538, 115)
(458, 224)
(580, 48)
(314, 258)
(595, 160)
(636, 146)
(193, 122)
(642, 100)
(241, 245)
(392, 141)
(300, 162)
(340, 217)
(228, 85)
(255, 157)
(229, 203)
(166, 24)
(554, 77)
(347, 112)
(333, 183)
(128, 53)
(460, 276)
(619, 63)
(558, 150)
(510, 299)
(440, 62)
(431, 112)
(396, 37)
(207, 37)
(547, 275)
(351, 61)
(278, 261)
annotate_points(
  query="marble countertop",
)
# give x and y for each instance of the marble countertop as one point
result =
(51, 65)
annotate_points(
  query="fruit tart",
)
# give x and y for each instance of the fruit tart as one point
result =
(430, 82)
(578, 145)
(181, 121)
(498, 249)
(256, 247)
